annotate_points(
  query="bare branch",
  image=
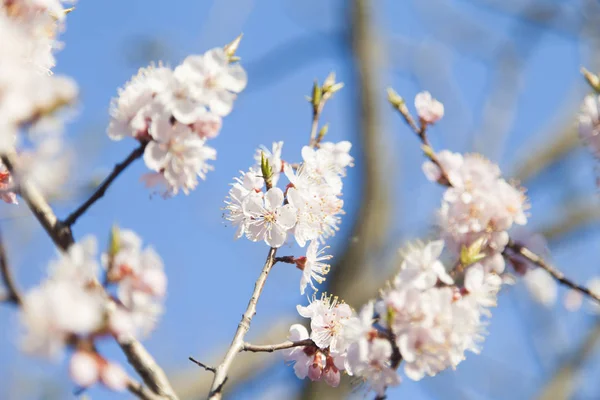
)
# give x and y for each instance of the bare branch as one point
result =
(238, 340)
(145, 365)
(556, 274)
(141, 391)
(60, 234)
(198, 363)
(269, 348)
(117, 170)
(13, 294)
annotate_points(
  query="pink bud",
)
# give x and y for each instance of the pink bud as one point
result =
(315, 371)
(331, 374)
(84, 368)
(114, 377)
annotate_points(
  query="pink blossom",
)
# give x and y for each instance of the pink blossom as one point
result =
(429, 109)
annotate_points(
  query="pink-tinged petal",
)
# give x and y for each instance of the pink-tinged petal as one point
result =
(431, 171)
(276, 236)
(234, 79)
(155, 156)
(287, 216)
(301, 367)
(273, 199)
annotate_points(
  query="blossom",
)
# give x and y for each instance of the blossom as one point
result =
(27, 92)
(424, 260)
(84, 368)
(267, 218)
(313, 266)
(250, 182)
(429, 109)
(87, 368)
(273, 156)
(479, 205)
(300, 356)
(129, 111)
(541, 286)
(179, 155)
(328, 317)
(482, 286)
(55, 310)
(177, 111)
(6, 183)
(142, 284)
(589, 123)
(213, 79)
(370, 360)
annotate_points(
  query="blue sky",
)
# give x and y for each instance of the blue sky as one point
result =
(286, 46)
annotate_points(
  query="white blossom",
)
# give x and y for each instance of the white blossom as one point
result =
(541, 286)
(589, 123)
(313, 267)
(267, 218)
(327, 319)
(429, 109)
(84, 368)
(212, 79)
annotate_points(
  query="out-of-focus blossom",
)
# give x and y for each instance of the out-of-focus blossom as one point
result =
(429, 109)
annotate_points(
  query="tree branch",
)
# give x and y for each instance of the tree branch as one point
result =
(120, 167)
(141, 391)
(238, 340)
(14, 295)
(269, 348)
(145, 365)
(556, 274)
(60, 234)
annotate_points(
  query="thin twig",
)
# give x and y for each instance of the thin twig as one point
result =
(13, 294)
(200, 364)
(269, 348)
(238, 340)
(556, 274)
(314, 128)
(117, 170)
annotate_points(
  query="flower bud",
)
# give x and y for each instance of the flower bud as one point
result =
(84, 369)
(315, 371)
(331, 374)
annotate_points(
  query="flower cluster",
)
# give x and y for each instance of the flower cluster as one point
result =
(73, 308)
(309, 208)
(176, 111)
(422, 318)
(28, 91)
(479, 205)
(40, 21)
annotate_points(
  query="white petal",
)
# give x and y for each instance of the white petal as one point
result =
(273, 199)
